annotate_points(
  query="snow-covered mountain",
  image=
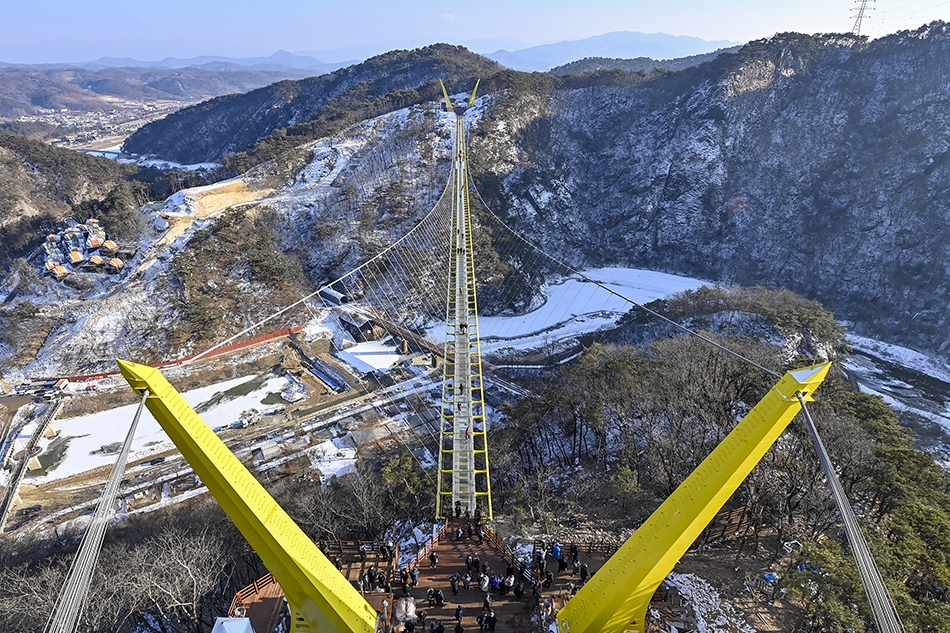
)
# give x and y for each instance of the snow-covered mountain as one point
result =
(616, 45)
(815, 163)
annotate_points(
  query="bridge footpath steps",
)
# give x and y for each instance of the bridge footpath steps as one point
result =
(513, 614)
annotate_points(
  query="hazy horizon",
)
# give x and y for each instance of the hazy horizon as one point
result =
(57, 31)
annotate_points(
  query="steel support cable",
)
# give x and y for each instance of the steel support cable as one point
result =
(630, 301)
(254, 326)
(882, 606)
(72, 597)
(418, 270)
(371, 278)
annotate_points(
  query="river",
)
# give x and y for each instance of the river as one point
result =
(916, 387)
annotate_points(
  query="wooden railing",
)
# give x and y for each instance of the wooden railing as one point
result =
(331, 549)
(242, 597)
(423, 554)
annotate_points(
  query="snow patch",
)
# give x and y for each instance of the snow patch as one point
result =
(86, 436)
(574, 307)
(713, 615)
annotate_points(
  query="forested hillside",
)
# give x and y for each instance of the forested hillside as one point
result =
(644, 64)
(262, 123)
(41, 184)
(816, 163)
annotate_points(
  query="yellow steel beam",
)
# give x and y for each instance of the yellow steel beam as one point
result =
(471, 100)
(616, 598)
(448, 102)
(320, 598)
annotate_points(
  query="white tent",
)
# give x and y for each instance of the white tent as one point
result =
(232, 625)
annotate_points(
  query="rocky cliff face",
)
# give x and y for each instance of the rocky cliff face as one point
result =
(817, 163)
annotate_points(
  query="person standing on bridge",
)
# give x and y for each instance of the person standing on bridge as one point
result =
(434, 560)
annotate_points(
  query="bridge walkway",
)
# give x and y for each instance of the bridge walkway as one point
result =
(513, 614)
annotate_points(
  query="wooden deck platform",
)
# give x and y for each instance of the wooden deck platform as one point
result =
(263, 601)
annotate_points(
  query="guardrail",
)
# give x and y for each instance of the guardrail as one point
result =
(242, 597)
(423, 554)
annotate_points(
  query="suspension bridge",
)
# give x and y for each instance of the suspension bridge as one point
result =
(428, 276)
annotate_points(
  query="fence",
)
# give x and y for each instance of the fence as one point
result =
(242, 597)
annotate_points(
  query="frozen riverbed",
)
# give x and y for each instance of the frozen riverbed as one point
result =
(575, 307)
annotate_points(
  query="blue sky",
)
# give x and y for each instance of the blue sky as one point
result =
(67, 30)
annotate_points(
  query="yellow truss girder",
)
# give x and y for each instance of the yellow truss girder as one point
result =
(320, 598)
(463, 475)
(616, 598)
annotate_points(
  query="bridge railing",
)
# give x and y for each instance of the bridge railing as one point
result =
(423, 554)
(246, 595)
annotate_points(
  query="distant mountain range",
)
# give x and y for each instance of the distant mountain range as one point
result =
(28, 90)
(620, 44)
(281, 60)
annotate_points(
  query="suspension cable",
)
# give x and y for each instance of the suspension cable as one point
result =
(617, 294)
(72, 597)
(882, 606)
(256, 325)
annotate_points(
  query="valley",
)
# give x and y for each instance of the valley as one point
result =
(591, 200)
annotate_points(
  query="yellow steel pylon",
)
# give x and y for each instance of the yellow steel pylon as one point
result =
(616, 598)
(320, 598)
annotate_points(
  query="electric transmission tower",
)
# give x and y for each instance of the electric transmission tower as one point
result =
(862, 11)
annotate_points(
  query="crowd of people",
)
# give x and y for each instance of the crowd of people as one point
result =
(517, 579)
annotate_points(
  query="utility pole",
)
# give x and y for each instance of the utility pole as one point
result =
(862, 10)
